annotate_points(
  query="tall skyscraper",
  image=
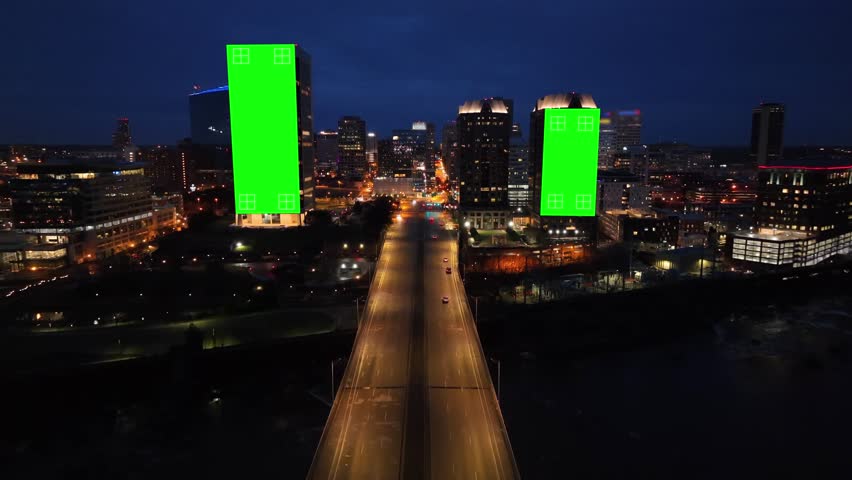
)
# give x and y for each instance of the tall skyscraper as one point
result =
(565, 181)
(484, 128)
(210, 127)
(607, 149)
(352, 147)
(326, 152)
(767, 133)
(385, 157)
(302, 94)
(449, 150)
(210, 117)
(425, 157)
(519, 169)
(410, 149)
(372, 152)
(306, 127)
(121, 137)
(628, 127)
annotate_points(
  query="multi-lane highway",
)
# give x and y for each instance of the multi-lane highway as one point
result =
(416, 400)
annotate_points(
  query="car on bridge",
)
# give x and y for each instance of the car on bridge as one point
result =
(449, 270)
(445, 299)
(446, 259)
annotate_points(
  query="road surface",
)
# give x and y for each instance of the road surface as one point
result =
(416, 400)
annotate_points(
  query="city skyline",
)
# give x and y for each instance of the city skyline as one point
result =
(390, 65)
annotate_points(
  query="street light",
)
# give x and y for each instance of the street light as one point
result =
(467, 224)
(511, 224)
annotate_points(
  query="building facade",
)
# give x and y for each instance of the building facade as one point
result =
(767, 133)
(484, 128)
(352, 148)
(519, 170)
(582, 229)
(803, 214)
(628, 128)
(210, 128)
(78, 211)
(121, 137)
(449, 151)
(304, 95)
(326, 153)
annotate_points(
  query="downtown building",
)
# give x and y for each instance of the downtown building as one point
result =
(519, 170)
(326, 149)
(210, 132)
(409, 153)
(372, 153)
(484, 128)
(628, 128)
(578, 230)
(73, 211)
(352, 148)
(424, 163)
(803, 214)
(304, 106)
(767, 134)
(449, 152)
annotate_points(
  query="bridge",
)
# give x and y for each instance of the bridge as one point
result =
(416, 400)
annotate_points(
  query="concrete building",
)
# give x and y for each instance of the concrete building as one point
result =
(803, 214)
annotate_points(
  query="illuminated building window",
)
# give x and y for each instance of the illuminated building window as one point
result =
(585, 124)
(798, 179)
(286, 201)
(557, 124)
(583, 202)
(555, 201)
(246, 201)
(281, 56)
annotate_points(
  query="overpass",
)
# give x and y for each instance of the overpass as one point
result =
(416, 400)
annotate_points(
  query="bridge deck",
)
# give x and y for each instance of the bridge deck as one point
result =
(416, 400)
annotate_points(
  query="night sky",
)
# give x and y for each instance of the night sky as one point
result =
(70, 68)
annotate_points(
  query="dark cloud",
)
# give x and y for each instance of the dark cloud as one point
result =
(694, 69)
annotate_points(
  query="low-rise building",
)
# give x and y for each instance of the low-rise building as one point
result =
(75, 211)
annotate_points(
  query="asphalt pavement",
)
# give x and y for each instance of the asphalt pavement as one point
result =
(416, 400)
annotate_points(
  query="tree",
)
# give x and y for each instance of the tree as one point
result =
(318, 218)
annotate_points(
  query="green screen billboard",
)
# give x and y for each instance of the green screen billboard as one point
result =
(570, 162)
(264, 127)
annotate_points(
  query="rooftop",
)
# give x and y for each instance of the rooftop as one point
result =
(223, 88)
(775, 235)
(566, 100)
(814, 162)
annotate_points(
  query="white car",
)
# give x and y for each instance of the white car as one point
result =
(446, 259)
(445, 299)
